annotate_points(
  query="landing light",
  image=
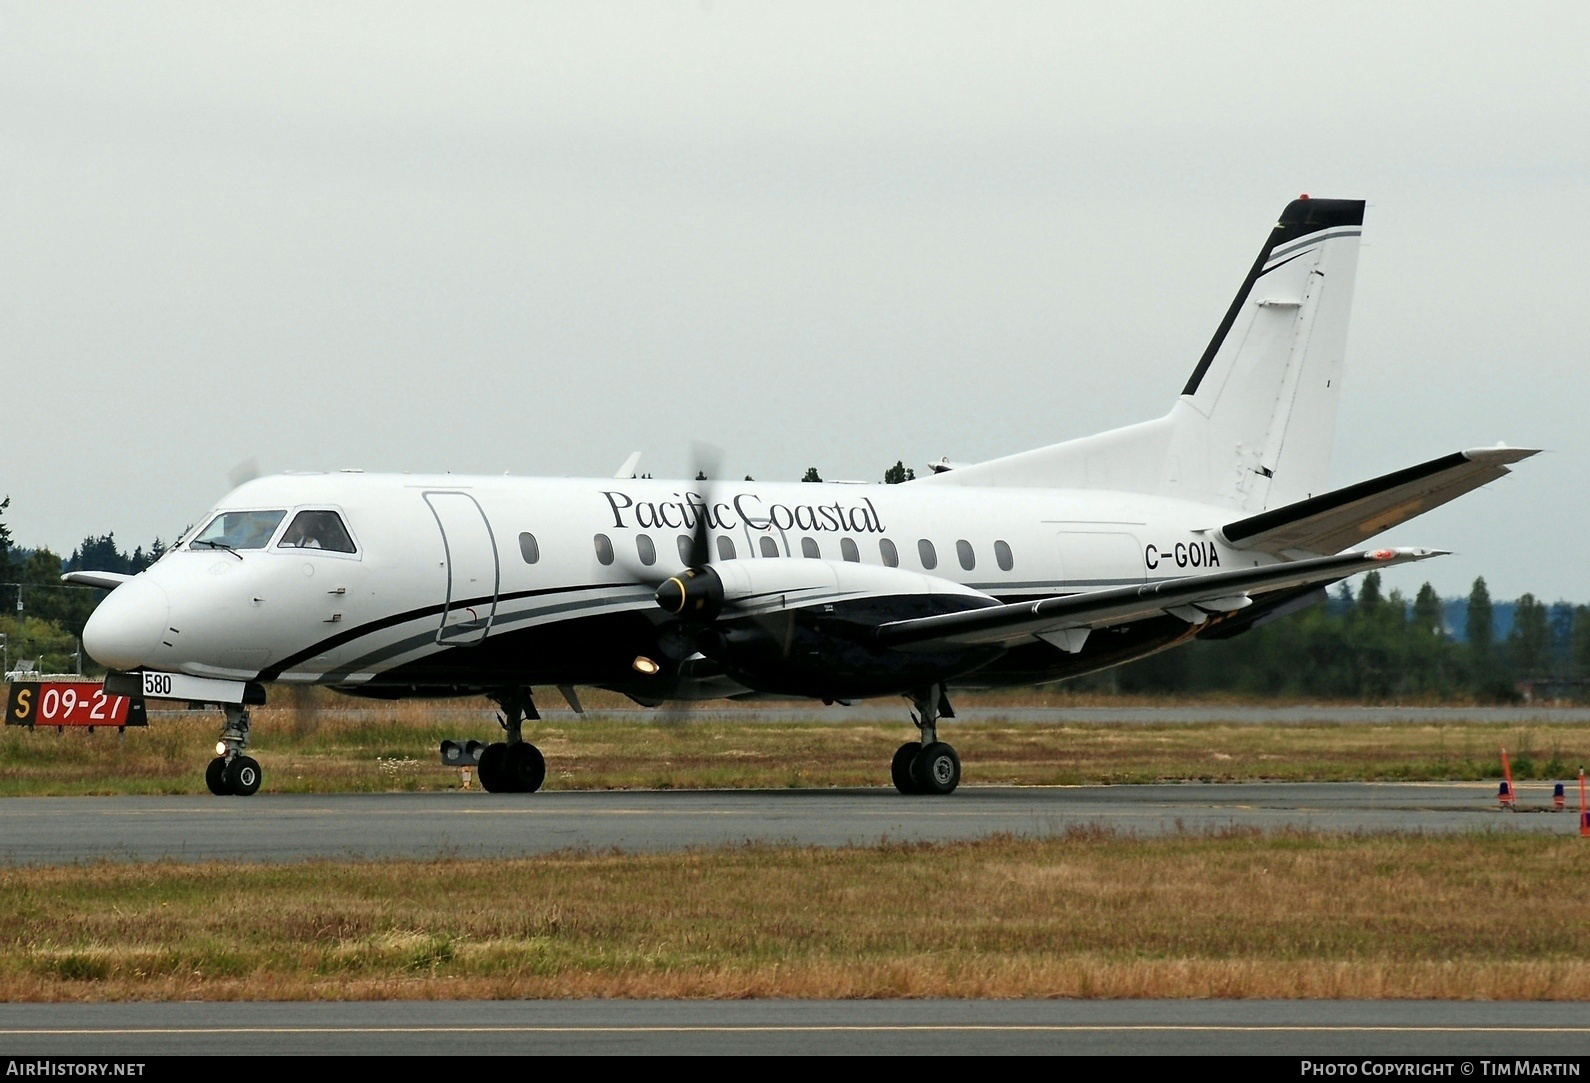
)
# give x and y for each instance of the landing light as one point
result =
(220, 748)
(645, 665)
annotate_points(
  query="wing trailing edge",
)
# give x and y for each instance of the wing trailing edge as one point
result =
(1193, 598)
(1337, 520)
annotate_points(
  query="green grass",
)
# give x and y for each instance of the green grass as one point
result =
(364, 748)
(1090, 914)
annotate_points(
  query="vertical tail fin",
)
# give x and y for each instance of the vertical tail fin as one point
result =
(1254, 425)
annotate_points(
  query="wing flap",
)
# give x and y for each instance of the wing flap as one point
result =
(1216, 592)
(1336, 520)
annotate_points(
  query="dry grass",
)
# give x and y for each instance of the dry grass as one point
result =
(1088, 915)
(347, 746)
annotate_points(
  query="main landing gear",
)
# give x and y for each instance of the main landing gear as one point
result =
(514, 765)
(928, 766)
(231, 772)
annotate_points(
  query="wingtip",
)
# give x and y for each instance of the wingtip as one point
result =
(1405, 553)
(1500, 453)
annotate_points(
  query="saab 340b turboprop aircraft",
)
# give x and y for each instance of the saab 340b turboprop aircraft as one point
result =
(1025, 569)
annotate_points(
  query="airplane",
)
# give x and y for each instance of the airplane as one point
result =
(1031, 568)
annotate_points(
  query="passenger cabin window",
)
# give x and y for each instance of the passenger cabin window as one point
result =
(725, 548)
(528, 548)
(645, 549)
(769, 546)
(809, 548)
(238, 530)
(890, 555)
(684, 549)
(930, 558)
(963, 550)
(604, 549)
(1003, 556)
(848, 550)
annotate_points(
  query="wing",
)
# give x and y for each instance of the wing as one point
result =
(102, 580)
(1332, 521)
(1065, 621)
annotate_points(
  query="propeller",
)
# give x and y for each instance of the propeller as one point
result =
(696, 594)
(243, 472)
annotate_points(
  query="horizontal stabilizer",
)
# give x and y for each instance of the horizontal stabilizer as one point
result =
(102, 580)
(631, 464)
(1193, 597)
(1334, 521)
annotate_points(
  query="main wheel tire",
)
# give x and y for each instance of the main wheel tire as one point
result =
(936, 769)
(493, 777)
(215, 777)
(525, 767)
(242, 776)
(900, 769)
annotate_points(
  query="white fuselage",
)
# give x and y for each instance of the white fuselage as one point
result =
(443, 564)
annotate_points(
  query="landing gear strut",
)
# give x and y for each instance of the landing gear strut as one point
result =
(231, 772)
(514, 765)
(928, 766)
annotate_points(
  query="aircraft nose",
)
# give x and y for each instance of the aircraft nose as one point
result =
(125, 629)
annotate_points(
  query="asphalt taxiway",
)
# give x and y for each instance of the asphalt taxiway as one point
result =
(48, 830)
(1459, 1031)
(281, 828)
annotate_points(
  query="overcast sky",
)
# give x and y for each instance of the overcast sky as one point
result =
(534, 238)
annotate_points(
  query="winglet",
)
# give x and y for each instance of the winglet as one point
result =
(627, 471)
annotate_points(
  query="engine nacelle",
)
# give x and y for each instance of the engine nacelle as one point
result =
(786, 625)
(744, 587)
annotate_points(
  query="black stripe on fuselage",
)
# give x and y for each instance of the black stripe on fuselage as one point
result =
(499, 625)
(271, 673)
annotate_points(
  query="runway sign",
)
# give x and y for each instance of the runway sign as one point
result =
(71, 703)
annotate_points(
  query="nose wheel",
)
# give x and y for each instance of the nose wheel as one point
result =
(238, 777)
(232, 774)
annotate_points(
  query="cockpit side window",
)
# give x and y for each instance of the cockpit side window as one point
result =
(317, 530)
(238, 530)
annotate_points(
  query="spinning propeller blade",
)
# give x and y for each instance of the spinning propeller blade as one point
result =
(696, 594)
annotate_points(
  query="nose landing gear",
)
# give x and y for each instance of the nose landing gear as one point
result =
(928, 766)
(514, 765)
(231, 772)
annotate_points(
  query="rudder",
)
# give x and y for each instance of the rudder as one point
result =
(1256, 421)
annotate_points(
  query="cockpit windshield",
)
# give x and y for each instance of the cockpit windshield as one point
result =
(317, 530)
(238, 530)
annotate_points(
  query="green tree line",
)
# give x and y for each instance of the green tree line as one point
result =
(41, 617)
(1376, 646)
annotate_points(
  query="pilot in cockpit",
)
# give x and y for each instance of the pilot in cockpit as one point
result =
(301, 534)
(317, 530)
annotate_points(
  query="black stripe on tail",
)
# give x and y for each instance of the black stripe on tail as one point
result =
(1301, 217)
